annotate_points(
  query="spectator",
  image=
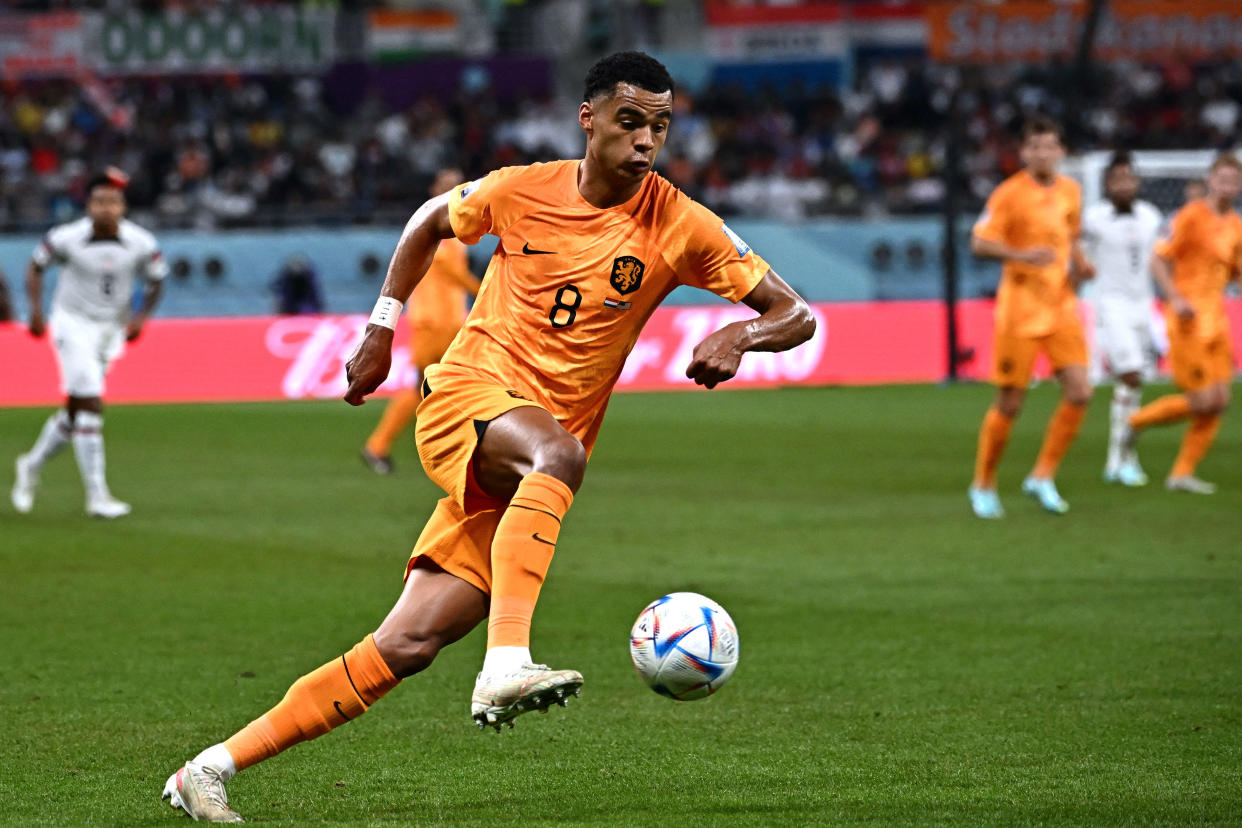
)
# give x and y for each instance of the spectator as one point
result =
(297, 288)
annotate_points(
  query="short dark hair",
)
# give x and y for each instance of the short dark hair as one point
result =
(111, 177)
(1042, 125)
(635, 68)
(1121, 158)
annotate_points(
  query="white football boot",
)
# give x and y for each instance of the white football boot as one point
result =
(1189, 483)
(1044, 492)
(500, 699)
(985, 503)
(25, 482)
(199, 791)
(106, 506)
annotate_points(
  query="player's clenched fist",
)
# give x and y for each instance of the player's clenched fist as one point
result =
(715, 359)
(369, 365)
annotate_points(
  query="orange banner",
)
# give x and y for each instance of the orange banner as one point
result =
(972, 32)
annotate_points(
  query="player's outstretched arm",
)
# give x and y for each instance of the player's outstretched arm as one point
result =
(34, 292)
(785, 321)
(991, 249)
(369, 365)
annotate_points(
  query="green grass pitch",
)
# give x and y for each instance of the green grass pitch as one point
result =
(901, 662)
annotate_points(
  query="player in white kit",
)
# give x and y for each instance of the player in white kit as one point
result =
(1122, 232)
(91, 320)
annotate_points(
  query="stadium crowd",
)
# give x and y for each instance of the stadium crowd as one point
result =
(275, 150)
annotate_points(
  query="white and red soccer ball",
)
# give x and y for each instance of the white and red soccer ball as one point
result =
(684, 646)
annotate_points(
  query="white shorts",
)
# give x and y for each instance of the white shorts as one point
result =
(84, 350)
(1124, 336)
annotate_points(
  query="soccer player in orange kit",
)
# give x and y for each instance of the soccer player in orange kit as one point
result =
(1031, 222)
(437, 311)
(1200, 255)
(587, 251)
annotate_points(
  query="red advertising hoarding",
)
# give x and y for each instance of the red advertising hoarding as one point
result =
(303, 357)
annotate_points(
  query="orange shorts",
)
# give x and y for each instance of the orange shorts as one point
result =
(428, 344)
(457, 406)
(1197, 362)
(1013, 356)
(458, 543)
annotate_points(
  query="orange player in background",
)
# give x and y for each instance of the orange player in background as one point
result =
(1193, 264)
(588, 249)
(437, 311)
(1031, 223)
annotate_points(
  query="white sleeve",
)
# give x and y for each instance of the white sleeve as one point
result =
(155, 268)
(50, 249)
(151, 264)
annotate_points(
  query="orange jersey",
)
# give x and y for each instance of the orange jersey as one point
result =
(1022, 213)
(571, 285)
(439, 300)
(1205, 248)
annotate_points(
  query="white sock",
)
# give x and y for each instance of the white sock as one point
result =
(501, 661)
(88, 446)
(53, 438)
(218, 759)
(1126, 401)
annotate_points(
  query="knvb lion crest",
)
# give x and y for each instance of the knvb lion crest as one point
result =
(627, 274)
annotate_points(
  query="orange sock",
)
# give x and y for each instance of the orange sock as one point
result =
(397, 415)
(1062, 429)
(1168, 409)
(522, 551)
(993, 437)
(335, 693)
(1195, 444)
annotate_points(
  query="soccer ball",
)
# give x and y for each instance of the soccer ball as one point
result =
(684, 646)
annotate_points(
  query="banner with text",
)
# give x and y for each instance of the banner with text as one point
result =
(1028, 30)
(246, 38)
(303, 357)
(38, 45)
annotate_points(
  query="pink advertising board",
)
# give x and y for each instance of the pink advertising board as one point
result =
(303, 357)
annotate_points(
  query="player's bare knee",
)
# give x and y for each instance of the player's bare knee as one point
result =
(407, 653)
(1009, 402)
(1080, 397)
(563, 457)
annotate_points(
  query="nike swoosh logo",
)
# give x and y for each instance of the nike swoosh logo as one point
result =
(337, 705)
(526, 248)
(535, 536)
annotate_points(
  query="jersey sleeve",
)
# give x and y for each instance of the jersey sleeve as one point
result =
(50, 250)
(1170, 242)
(482, 206)
(152, 264)
(711, 256)
(993, 223)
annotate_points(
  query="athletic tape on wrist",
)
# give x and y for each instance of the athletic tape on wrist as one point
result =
(386, 312)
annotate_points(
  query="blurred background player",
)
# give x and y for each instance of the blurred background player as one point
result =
(587, 250)
(99, 256)
(1031, 223)
(1193, 265)
(1121, 232)
(437, 310)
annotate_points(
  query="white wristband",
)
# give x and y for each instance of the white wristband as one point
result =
(386, 312)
